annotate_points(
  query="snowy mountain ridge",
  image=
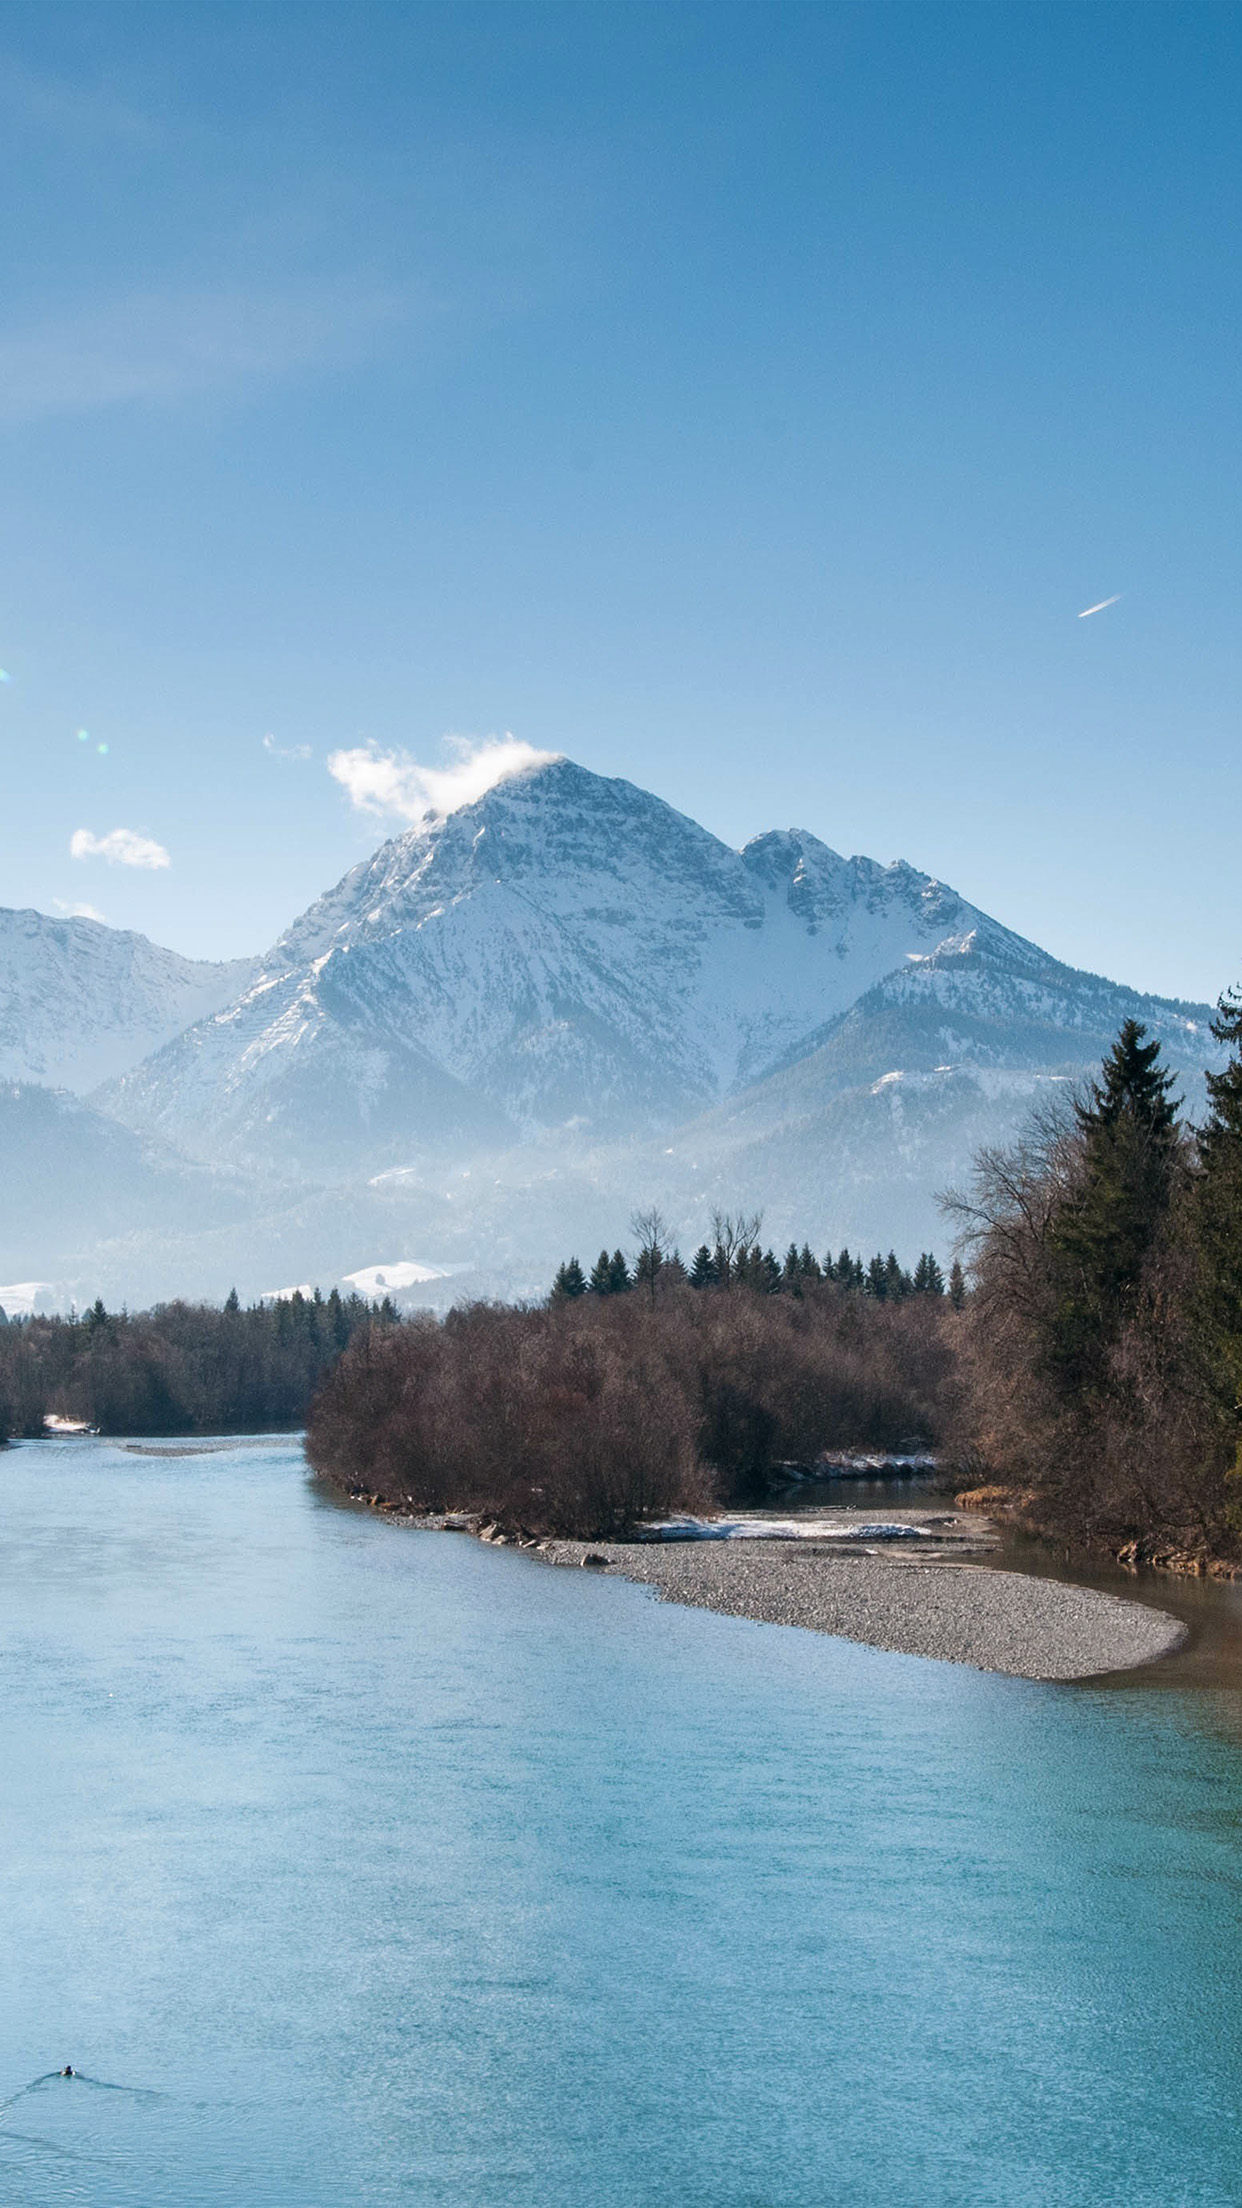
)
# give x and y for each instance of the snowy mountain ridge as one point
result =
(490, 1040)
(80, 1002)
(565, 951)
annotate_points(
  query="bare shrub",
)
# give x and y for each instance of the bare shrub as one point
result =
(590, 1414)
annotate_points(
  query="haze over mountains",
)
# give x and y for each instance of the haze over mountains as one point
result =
(516, 1022)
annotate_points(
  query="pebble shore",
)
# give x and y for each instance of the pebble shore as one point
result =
(961, 1613)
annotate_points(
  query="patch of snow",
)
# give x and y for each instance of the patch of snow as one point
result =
(382, 1280)
(685, 1528)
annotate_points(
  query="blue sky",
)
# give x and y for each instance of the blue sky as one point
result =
(742, 399)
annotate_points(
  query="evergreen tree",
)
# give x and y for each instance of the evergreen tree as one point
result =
(232, 1301)
(808, 1263)
(769, 1273)
(877, 1278)
(618, 1274)
(1217, 1220)
(791, 1271)
(957, 1284)
(928, 1278)
(570, 1281)
(703, 1272)
(600, 1282)
(1108, 1224)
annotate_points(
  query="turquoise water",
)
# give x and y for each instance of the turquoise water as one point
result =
(359, 1866)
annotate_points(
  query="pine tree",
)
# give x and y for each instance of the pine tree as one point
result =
(928, 1278)
(703, 1272)
(877, 1278)
(570, 1281)
(1098, 1243)
(808, 1263)
(618, 1274)
(791, 1271)
(600, 1282)
(1217, 1220)
(957, 1284)
(232, 1301)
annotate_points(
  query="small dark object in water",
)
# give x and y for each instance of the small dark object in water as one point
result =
(68, 2071)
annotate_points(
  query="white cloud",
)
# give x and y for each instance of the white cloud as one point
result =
(76, 912)
(159, 347)
(391, 782)
(120, 848)
(285, 751)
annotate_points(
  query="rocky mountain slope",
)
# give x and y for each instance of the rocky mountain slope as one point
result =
(570, 953)
(80, 1003)
(492, 1040)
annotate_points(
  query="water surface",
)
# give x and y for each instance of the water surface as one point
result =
(360, 1866)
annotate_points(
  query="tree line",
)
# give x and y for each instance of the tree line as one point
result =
(1101, 1362)
(735, 1258)
(181, 1368)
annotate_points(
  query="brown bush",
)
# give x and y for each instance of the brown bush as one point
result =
(588, 1415)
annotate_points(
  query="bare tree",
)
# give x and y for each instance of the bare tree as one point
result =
(653, 1234)
(733, 1234)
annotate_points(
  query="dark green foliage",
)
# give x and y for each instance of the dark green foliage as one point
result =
(182, 1368)
(610, 1276)
(1103, 1335)
(1216, 1212)
(746, 1264)
(1109, 1223)
(957, 1284)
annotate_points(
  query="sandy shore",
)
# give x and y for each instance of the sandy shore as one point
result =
(938, 1606)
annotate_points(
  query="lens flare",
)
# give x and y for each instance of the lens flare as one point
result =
(102, 749)
(84, 735)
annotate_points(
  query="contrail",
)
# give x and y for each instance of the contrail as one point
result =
(1113, 601)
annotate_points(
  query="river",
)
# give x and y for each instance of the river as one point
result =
(357, 1866)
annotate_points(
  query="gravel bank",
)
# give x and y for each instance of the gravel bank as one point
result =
(963, 1614)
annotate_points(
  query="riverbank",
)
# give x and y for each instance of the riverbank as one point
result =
(939, 1594)
(957, 1612)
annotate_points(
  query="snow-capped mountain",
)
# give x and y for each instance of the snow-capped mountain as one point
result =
(492, 1040)
(568, 951)
(81, 1003)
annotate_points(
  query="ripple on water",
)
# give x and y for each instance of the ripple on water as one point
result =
(406, 1870)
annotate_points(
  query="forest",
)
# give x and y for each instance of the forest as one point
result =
(180, 1369)
(1100, 1376)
